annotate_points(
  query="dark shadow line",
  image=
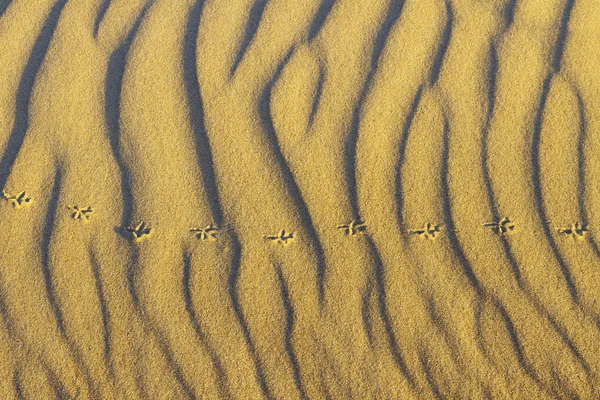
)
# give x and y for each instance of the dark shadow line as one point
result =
(15, 335)
(17, 381)
(379, 273)
(57, 386)
(399, 191)
(438, 322)
(235, 302)
(492, 78)
(492, 81)
(537, 189)
(149, 327)
(509, 13)
(392, 15)
(45, 250)
(338, 377)
(325, 389)
(320, 18)
(131, 274)
(194, 98)
(106, 335)
(135, 301)
(479, 331)
(487, 394)
(112, 111)
(289, 330)
(254, 18)
(49, 225)
(189, 308)
(170, 360)
(505, 244)
(514, 338)
(581, 173)
(562, 36)
(100, 16)
(4, 4)
(565, 338)
(448, 217)
(436, 67)
(424, 361)
(24, 91)
(317, 97)
(301, 207)
(492, 89)
(562, 388)
(365, 310)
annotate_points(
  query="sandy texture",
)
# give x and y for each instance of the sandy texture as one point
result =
(299, 199)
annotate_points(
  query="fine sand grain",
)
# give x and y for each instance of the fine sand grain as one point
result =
(299, 199)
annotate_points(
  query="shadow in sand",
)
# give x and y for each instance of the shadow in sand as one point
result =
(424, 360)
(492, 88)
(24, 90)
(517, 346)
(264, 109)
(581, 172)
(535, 148)
(448, 217)
(317, 98)
(189, 308)
(493, 76)
(444, 44)
(112, 111)
(45, 254)
(509, 13)
(562, 36)
(235, 302)
(256, 13)
(393, 13)
(203, 150)
(17, 385)
(4, 4)
(100, 16)
(399, 191)
(47, 274)
(365, 310)
(150, 328)
(379, 273)
(320, 18)
(289, 329)
(106, 334)
(438, 321)
(537, 190)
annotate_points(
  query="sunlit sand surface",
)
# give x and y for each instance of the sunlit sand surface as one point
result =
(285, 199)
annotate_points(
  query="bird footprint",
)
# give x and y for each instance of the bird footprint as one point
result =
(428, 231)
(18, 200)
(207, 233)
(502, 227)
(353, 228)
(140, 231)
(578, 230)
(81, 214)
(281, 238)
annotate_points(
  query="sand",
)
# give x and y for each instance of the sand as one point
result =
(285, 199)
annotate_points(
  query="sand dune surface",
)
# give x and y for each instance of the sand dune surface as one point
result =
(316, 199)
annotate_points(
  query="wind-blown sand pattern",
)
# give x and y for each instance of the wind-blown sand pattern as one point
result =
(316, 199)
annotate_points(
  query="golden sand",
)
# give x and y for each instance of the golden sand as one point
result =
(299, 199)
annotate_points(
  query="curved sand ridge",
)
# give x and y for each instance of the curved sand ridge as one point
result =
(323, 199)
